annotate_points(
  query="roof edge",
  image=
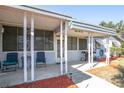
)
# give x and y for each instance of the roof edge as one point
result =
(40, 11)
(46, 11)
(92, 29)
(101, 27)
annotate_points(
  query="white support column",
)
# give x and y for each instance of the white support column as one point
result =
(25, 46)
(1, 43)
(91, 49)
(89, 56)
(65, 50)
(61, 47)
(32, 48)
(108, 51)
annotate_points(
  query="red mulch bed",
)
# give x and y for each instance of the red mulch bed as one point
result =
(55, 82)
(111, 59)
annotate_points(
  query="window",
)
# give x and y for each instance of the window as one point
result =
(20, 39)
(39, 40)
(48, 40)
(43, 40)
(82, 44)
(13, 39)
(10, 38)
(72, 43)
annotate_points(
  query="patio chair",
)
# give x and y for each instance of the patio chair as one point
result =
(40, 59)
(10, 62)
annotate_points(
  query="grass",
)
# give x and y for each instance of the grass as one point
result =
(113, 73)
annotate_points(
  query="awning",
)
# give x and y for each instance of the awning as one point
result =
(98, 30)
(112, 41)
(115, 42)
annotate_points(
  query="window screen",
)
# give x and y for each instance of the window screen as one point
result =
(43, 40)
(82, 44)
(10, 38)
(13, 39)
(72, 43)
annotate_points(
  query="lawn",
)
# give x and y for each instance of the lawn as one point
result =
(113, 73)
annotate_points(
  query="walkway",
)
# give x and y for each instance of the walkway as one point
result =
(86, 80)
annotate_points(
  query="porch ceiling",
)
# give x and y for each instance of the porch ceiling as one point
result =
(14, 17)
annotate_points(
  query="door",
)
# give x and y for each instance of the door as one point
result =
(58, 50)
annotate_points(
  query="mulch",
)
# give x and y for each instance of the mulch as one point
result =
(55, 82)
(111, 59)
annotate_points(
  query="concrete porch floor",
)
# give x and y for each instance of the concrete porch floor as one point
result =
(76, 68)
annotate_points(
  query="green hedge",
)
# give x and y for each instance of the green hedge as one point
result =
(118, 50)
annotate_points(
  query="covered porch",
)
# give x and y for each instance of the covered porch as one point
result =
(29, 31)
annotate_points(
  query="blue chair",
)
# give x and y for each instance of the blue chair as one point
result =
(40, 59)
(11, 61)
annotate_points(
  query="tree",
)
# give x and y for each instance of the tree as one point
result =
(119, 26)
(103, 23)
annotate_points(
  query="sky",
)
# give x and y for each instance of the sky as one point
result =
(90, 14)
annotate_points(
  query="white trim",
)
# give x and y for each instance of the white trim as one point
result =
(58, 58)
(73, 50)
(91, 49)
(25, 46)
(32, 48)
(1, 42)
(55, 45)
(77, 43)
(44, 51)
(61, 46)
(89, 56)
(108, 51)
(54, 41)
(65, 50)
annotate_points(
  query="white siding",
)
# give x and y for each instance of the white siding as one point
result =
(74, 55)
(50, 57)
